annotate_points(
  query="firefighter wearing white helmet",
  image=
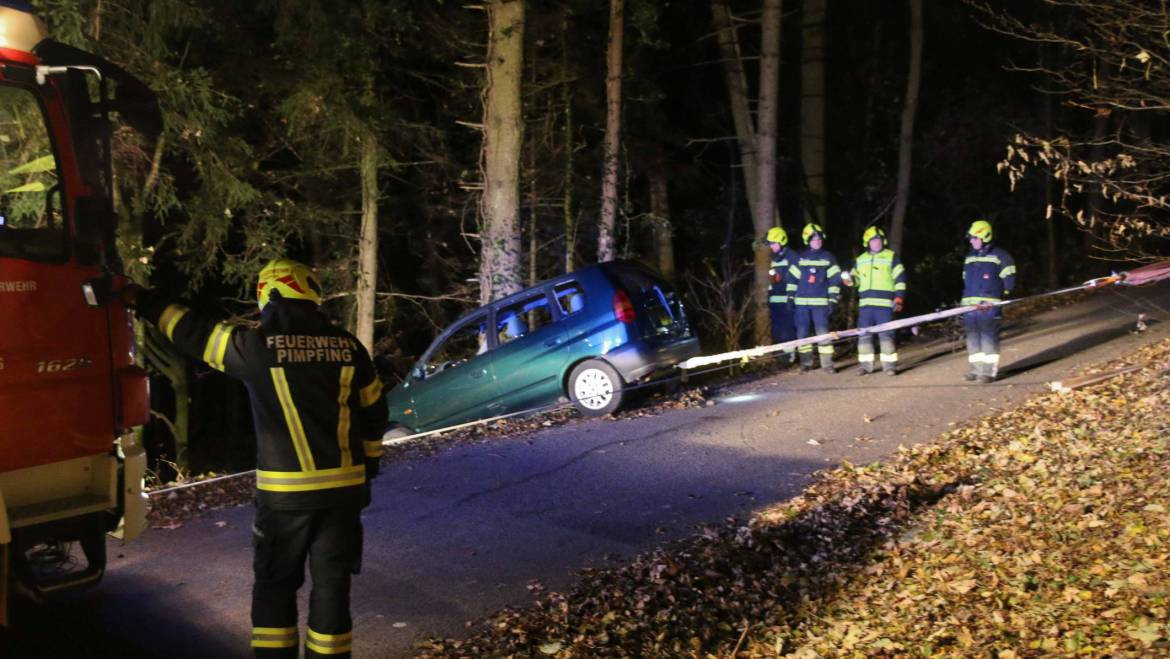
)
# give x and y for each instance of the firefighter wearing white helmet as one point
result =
(814, 283)
(779, 302)
(989, 275)
(881, 292)
(318, 411)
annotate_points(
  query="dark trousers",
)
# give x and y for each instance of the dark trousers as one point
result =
(783, 322)
(331, 540)
(867, 317)
(811, 321)
(983, 340)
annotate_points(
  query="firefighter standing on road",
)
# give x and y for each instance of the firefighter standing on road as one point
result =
(318, 412)
(779, 302)
(814, 283)
(881, 291)
(989, 275)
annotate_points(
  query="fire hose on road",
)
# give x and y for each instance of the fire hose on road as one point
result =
(1147, 274)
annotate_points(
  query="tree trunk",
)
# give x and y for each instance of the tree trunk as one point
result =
(663, 230)
(906, 139)
(367, 277)
(812, 108)
(765, 209)
(737, 90)
(1052, 267)
(570, 146)
(500, 270)
(606, 243)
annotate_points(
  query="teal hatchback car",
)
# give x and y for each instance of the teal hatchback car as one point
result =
(584, 337)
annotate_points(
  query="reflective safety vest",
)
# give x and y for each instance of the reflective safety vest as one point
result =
(316, 400)
(989, 275)
(814, 280)
(880, 278)
(780, 263)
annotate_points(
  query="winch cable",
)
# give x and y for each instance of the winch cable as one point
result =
(699, 366)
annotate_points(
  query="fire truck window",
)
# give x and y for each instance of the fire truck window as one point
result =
(31, 224)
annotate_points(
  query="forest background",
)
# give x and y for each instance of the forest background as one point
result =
(428, 156)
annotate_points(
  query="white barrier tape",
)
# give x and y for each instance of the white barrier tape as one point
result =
(1149, 274)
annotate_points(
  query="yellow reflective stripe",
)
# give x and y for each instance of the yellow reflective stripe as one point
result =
(866, 357)
(977, 300)
(975, 358)
(217, 345)
(293, 420)
(1007, 272)
(371, 393)
(274, 637)
(170, 318)
(343, 415)
(900, 286)
(329, 643)
(890, 358)
(833, 271)
(794, 271)
(775, 299)
(898, 271)
(814, 262)
(813, 301)
(876, 302)
(303, 481)
(825, 350)
(373, 448)
(982, 259)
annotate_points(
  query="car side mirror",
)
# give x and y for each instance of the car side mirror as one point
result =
(418, 373)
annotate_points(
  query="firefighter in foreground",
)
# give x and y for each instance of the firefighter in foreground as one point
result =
(881, 292)
(779, 302)
(814, 283)
(318, 412)
(989, 275)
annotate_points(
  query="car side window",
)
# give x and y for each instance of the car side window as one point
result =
(522, 318)
(465, 343)
(571, 297)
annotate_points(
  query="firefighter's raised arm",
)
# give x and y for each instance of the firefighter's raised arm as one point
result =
(201, 338)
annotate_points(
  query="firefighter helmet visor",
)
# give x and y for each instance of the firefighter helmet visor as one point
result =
(811, 230)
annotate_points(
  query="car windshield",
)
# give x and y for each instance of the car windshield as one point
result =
(29, 228)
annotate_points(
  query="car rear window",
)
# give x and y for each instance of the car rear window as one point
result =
(571, 297)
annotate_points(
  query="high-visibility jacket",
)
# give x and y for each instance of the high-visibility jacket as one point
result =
(989, 275)
(814, 280)
(879, 278)
(316, 400)
(781, 261)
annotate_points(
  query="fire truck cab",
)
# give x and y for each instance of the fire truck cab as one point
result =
(71, 469)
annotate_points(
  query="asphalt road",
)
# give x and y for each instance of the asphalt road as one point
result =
(459, 534)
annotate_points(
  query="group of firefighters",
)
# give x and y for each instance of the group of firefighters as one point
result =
(806, 287)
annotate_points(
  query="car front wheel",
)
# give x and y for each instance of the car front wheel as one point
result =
(595, 388)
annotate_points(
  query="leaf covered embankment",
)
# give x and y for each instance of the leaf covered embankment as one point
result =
(1044, 530)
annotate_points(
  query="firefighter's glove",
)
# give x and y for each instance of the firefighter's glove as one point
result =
(129, 294)
(897, 305)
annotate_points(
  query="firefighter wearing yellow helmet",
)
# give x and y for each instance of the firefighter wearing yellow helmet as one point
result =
(779, 302)
(814, 284)
(881, 292)
(319, 414)
(989, 275)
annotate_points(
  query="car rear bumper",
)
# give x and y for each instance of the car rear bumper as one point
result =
(640, 359)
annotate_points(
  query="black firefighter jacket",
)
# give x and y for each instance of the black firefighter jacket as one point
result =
(316, 400)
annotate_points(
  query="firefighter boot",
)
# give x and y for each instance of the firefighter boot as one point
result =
(806, 361)
(827, 363)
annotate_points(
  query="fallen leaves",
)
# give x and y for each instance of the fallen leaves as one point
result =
(1039, 531)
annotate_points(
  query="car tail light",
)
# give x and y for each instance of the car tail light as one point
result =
(623, 310)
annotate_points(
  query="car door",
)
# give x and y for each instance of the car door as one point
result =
(531, 351)
(453, 383)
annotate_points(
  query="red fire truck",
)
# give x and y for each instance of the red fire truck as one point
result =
(71, 468)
